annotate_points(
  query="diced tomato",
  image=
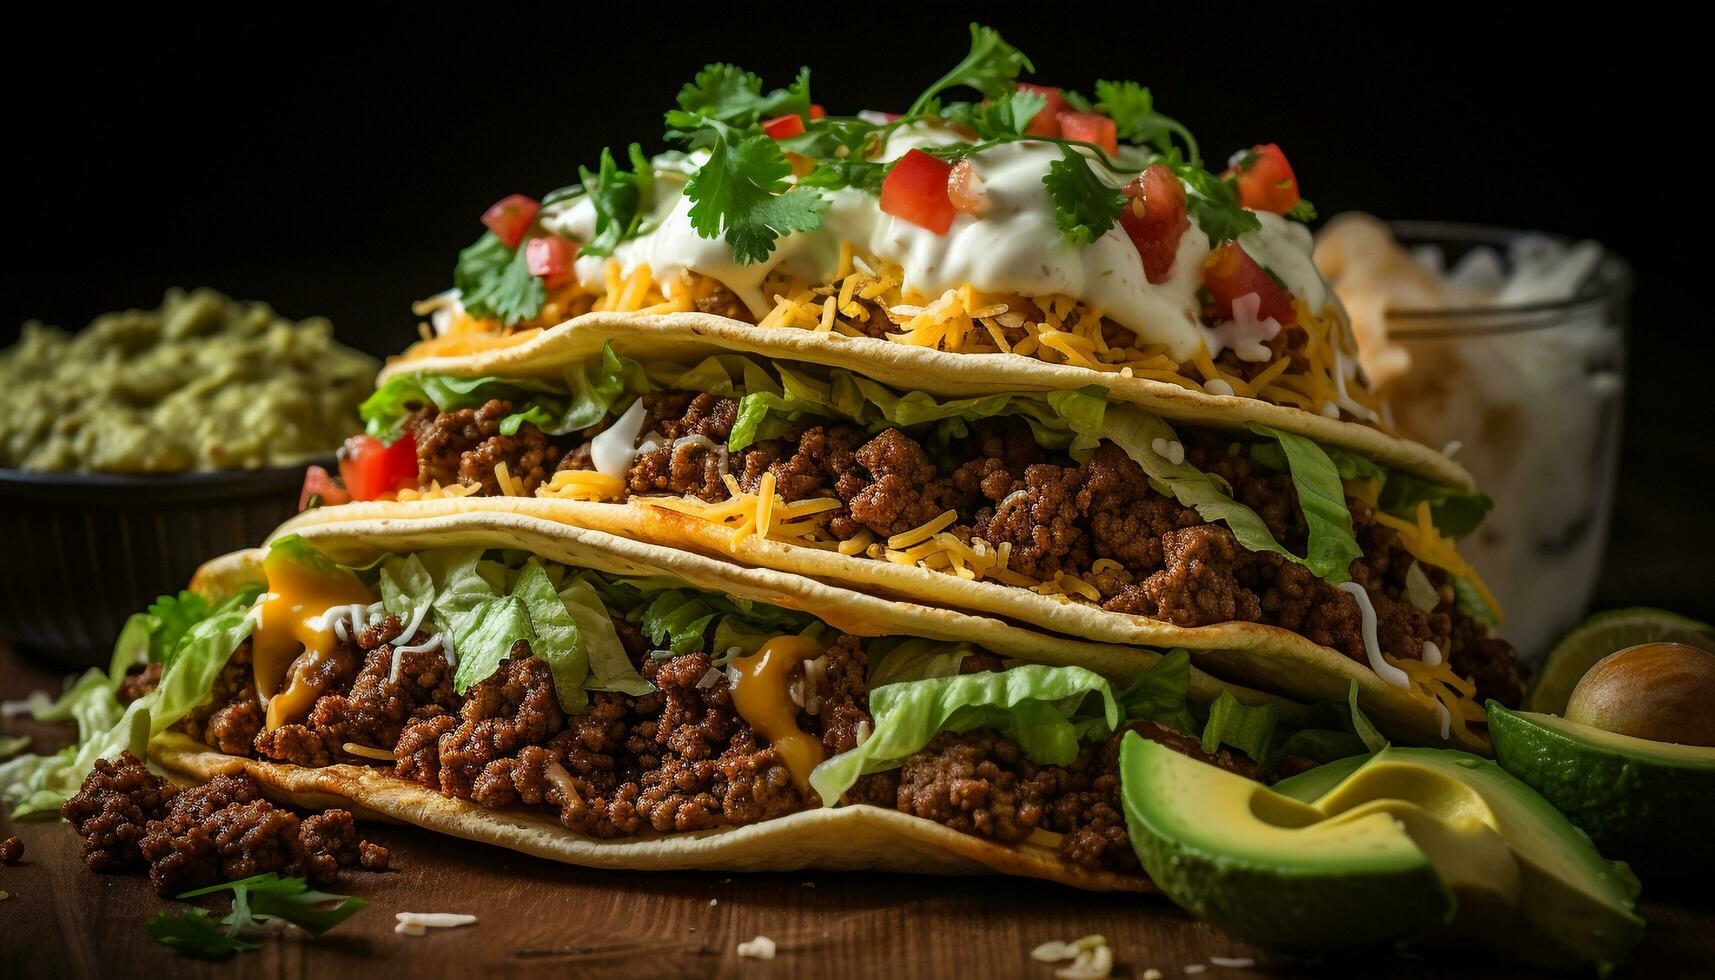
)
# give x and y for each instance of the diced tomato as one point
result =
(1090, 127)
(549, 257)
(509, 218)
(1046, 122)
(784, 127)
(817, 112)
(1229, 273)
(372, 468)
(1265, 179)
(916, 191)
(1154, 217)
(965, 189)
(319, 487)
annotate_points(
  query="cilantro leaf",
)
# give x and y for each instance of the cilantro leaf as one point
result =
(495, 283)
(998, 118)
(255, 901)
(991, 67)
(195, 933)
(734, 96)
(1212, 201)
(1302, 211)
(1132, 109)
(1085, 207)
(844, 151)
(741, 193)
(620, 198)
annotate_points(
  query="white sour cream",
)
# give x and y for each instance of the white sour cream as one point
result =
(1015, 246)
(613, 449)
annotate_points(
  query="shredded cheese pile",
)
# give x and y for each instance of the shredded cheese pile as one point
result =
(1060, 330)
(764, 514)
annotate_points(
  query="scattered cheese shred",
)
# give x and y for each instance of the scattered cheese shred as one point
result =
(437, 492)
(1427, 545)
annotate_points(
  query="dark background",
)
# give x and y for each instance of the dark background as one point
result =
(336, 168)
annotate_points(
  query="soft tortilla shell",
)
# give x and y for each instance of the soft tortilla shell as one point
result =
(690, 336)
(851, 838)
(1268, 657)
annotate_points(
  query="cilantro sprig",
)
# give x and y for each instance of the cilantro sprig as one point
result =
(741, 193)
(494, 282)
(255, 902)
(991, 67)
(1085, 206)
(620, 198)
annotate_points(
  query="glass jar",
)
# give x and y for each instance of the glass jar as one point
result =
(1528, 398)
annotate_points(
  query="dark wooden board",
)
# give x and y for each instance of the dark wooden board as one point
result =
(538, 918)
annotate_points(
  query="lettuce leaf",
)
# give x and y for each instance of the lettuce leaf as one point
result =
(589, 393)
(1032, 705)
(1248, 728)
(609, 665)
(1161, 693)
(557, 640)
(1322, 499)
(37, 785)
(896, 659)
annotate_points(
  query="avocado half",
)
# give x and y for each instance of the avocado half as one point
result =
(1407, 845)
(1647, 802)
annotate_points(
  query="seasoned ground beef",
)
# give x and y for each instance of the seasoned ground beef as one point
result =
(1100, 521)
(12, 850)
(219, 831)
(138, 683)
(463, 446)
(367, 706)
(713, 297)
(112, 810)
(232, 717)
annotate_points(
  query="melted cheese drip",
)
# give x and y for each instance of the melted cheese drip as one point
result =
(290, 623)
(759, 695)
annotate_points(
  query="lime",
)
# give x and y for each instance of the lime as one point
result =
(1600, 635)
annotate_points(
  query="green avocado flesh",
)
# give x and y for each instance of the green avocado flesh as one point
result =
(1406, 845)
(1648, 802)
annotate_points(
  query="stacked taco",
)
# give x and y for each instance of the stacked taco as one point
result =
(836, 492)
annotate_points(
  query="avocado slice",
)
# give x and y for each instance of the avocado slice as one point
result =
(1408, 844)
(1648, 802)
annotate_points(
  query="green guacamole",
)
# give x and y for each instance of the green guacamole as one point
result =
(203, 383)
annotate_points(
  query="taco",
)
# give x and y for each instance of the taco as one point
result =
(1288, 563)
(1083, 234)
(605, 702)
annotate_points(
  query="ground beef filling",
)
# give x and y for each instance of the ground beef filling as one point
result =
(1100, 520)
(677, 759)
(223, 830)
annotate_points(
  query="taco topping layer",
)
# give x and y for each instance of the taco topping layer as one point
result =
(1060, 493)
(1035, 221)
(628, 706)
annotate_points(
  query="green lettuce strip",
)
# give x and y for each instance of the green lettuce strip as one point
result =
(201, 639)
(1032, 705)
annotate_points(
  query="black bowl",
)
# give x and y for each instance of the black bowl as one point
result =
(85, 550)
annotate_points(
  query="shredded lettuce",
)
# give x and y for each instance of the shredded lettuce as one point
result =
(1248, 728)
(589, 393)
(1455, 513)
(38, 785)
(1032, 705)
(1468, 600)
(1161, 693)
(895, 659)
(1322, 499)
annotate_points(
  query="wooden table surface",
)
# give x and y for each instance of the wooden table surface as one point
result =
(538, 918)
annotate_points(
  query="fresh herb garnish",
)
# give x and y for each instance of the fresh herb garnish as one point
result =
(255, 902)
(742, 194)
(620, 198)
(991, 67)
(1132, 109)
(1085, 206)
(494, 282)
(998, 118)
(731, 95)
(1212, 201)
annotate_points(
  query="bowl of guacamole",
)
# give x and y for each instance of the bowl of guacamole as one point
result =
(134, 448)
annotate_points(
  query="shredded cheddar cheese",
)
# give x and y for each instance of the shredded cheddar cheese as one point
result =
(1427, 545)
(437, 492)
